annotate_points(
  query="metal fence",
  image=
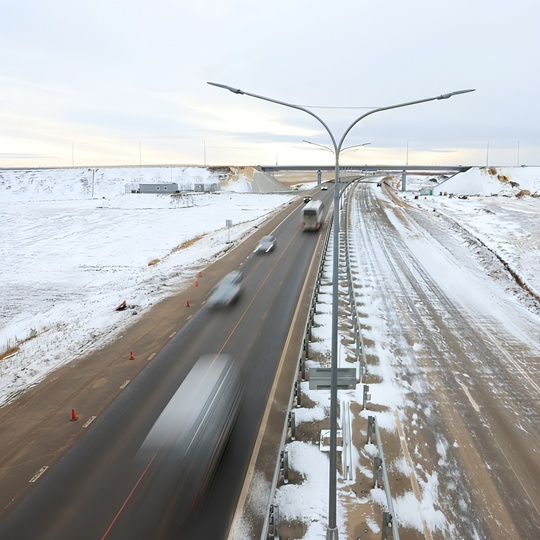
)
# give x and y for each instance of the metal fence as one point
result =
(271, 523)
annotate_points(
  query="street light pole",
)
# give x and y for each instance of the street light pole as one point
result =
(332, 530)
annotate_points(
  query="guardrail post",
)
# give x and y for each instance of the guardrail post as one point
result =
(274, 521)
(370, 428)
(284, 466)
(292, 425)
(387, 526)
(305, 348)
(377, 472)
(366, 397)
(298, 394)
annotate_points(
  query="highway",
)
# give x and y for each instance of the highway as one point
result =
(98, 489)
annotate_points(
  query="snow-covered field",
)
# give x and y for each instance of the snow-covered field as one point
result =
(500, 207)
(69, 258)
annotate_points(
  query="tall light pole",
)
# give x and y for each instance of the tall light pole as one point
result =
(332, 530)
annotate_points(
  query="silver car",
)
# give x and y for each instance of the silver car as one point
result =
(227, 290)
(266, 244)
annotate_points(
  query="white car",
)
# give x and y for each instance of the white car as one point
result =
(227, 290)
(266, 244)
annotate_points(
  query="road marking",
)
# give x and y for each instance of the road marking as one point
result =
(129, 496)
(125, 384)
(172, 335)
(152, 356)
(89, 421)
(241, 504)
(473, 403)
(39, 473)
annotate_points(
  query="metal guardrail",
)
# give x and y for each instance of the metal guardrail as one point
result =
(389, 524)
(359, 344)
(271, 523)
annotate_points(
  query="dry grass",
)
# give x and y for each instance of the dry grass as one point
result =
(176, 249)
(188, 243)
(9, 350)
(13, 348)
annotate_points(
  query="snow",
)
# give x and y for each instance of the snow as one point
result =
(498, 216)
(498, 181)
(69, 258)
(74, 244)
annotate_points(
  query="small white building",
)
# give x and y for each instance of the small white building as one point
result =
(159, 188)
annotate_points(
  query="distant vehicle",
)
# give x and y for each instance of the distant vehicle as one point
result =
(183, 449)
(227, 290)
(307, 198)
(266, 244)
(312, 216)
(324, 188)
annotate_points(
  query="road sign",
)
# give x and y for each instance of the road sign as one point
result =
(321, 378)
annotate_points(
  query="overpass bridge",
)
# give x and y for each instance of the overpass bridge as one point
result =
(415, 169)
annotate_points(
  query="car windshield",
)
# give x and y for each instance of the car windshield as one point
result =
(233, 277)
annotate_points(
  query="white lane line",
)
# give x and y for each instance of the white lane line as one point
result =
(125, 384)
(172, 335)
(89, 421)
(473, 403)
(152, 356)
(39, 473)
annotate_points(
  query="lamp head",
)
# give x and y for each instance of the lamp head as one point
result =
(230, 88)
(446, 96)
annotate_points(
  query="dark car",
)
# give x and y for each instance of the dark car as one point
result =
(266, 244)
(227, 290)
(307, 198)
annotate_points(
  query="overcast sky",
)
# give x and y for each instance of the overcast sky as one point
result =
(106, 82)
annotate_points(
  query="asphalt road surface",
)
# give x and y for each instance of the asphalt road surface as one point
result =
(87, 483)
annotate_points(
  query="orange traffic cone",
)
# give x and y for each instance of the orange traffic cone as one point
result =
(199, 274)
(187, 303)
(131, 357)
(196, 284)
(73, 415)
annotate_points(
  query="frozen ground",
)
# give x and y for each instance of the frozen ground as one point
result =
(74, 245)
(508, 226)
(501, 207)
